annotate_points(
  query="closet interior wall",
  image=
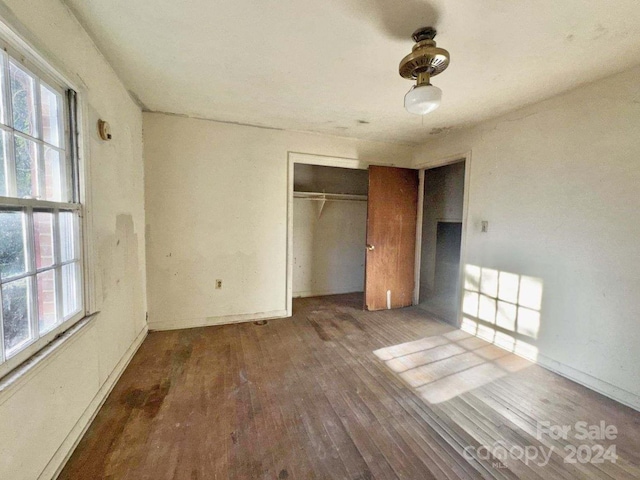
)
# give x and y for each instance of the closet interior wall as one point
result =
(329, 230)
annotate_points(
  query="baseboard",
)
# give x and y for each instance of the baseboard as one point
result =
(62, 455)
(322, 293)
(618, 394)
(213, 321)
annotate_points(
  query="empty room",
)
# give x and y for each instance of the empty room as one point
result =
(351, 239)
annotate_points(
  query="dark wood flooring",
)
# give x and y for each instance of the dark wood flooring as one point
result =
(335, 392)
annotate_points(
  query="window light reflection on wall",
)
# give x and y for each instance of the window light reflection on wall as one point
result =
(502, 308)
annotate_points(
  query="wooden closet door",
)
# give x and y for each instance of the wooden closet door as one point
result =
(391, 237)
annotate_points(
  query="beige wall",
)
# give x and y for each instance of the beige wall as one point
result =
(44, 412)
(328, 250)
(216, 204)
(558, 183)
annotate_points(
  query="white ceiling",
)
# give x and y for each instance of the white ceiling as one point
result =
(331, 66)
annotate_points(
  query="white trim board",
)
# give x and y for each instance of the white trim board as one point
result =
(62, 455)
(618, 394)
(214, 321)
(417, 262)
(24, 372)
(326, 161)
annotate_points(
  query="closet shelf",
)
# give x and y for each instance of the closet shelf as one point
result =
(323, 198)
(330, 196)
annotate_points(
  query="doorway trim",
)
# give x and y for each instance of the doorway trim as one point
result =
(423, 167)
(308, 159)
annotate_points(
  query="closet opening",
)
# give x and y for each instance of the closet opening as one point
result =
(329, 225)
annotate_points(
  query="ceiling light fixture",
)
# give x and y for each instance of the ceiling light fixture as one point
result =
(425, 61)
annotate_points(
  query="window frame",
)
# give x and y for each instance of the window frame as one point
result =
(41, 78)
(13, 46)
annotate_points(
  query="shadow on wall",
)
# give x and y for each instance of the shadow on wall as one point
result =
(441, 367)
(503, 308)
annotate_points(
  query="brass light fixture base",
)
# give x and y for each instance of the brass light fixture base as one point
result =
(425, 60)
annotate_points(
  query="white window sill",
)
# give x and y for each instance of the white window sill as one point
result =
(42, 356)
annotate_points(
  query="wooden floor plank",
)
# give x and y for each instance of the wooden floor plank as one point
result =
(386, 435)
(336, 392)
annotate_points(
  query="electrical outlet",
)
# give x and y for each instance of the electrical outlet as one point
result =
(218, 284)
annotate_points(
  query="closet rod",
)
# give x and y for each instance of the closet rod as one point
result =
(330, 197)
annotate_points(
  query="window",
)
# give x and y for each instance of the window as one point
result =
(41, 287)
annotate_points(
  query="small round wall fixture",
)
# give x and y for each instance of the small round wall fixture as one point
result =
(425, 61)
(104, 130)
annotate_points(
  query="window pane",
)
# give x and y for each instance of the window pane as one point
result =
(43, 232)
(16, 314)
(47, 312)
(12, 244)
(51, 102)
(70, 290)
(4, 188)
(68, 227)
(52, 175)
(23, 98)
(26, 167)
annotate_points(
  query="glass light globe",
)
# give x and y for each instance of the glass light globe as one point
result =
(422, 99)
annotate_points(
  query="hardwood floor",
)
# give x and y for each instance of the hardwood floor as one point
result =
(335, 392)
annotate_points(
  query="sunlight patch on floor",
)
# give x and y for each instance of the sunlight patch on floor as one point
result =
(441, 367)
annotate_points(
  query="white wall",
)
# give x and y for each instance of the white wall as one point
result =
(216, 204)
(559, 184)
(42, 415)
(328, 251)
